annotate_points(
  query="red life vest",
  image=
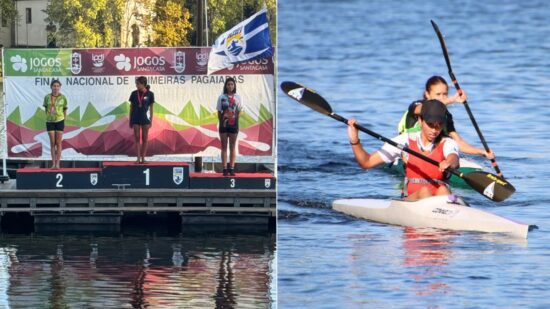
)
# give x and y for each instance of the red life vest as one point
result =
(419, 173)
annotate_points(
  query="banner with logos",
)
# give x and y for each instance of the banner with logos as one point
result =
(98, 83)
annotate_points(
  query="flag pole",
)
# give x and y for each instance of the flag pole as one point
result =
(206, 20)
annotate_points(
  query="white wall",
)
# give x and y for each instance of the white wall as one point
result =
(33, 34)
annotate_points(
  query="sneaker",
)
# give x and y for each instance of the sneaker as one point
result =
(225, 172)
(232, 172)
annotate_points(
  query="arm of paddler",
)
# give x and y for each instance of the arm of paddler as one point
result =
(363, 158)
(469, 149)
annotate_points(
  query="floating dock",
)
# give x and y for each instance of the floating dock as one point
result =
(105, 195)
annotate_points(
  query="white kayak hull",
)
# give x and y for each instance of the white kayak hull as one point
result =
(433, 212)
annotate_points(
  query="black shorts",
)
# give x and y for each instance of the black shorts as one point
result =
(230, 130)
(55, 126)
(139, 119)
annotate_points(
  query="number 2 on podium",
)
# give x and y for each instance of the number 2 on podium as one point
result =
(59, 178)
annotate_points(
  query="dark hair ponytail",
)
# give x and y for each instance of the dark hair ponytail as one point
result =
(432, 81)
(143, 80)
(55, 81)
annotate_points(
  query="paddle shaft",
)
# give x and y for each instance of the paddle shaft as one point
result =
(389, 141)
(457, 86)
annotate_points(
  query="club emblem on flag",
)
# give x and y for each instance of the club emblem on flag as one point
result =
(177, 175)
(267, 183)
(93, 179)
(249, 40)
(235, 43)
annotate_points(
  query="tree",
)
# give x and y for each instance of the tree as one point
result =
(171, 24)
(8, 11)
(82, 23)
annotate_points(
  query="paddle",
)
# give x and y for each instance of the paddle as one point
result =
(491, 186)
(457, 86)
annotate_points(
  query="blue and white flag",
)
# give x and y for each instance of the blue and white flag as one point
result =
(249, 40)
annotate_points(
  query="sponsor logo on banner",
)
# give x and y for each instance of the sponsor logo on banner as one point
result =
(76, 63)
(267, 183)
(177, 175)
(202, 60)
(41, 65)
(19, 63)
(150, 63)
(123, 63)
(179, 61)
(93, 179)
(98, 60)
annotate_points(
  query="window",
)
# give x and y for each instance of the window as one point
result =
(28, 15)
(4, 21)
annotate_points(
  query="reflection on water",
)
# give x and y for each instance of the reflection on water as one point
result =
(137, 271)
(427, 252)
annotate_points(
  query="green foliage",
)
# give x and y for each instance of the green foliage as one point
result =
(108, 23)
(171, 24)
(85, 24)
(8, 10)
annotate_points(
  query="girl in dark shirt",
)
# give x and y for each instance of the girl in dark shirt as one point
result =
(141, 115)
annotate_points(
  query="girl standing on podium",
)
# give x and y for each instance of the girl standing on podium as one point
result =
(229, 108)
(141, 115)
(55, 105)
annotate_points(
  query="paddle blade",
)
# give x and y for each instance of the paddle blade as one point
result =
(307, 97)
(491, 186)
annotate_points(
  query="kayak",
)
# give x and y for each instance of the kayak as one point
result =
(443, 212)
(466, 166)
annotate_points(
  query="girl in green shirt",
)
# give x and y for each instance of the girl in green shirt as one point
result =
(55, 106)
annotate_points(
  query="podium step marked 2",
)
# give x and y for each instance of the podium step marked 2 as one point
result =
(64, 178)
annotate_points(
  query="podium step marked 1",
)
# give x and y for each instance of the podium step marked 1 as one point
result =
(168, 175)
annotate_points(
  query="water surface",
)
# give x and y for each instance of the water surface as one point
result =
(370, 59)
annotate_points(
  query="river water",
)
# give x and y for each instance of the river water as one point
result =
(370, 59)
(138, 269)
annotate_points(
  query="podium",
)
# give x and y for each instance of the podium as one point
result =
(64, 178)
(167, 175)
(239, 181)
(129, 175)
